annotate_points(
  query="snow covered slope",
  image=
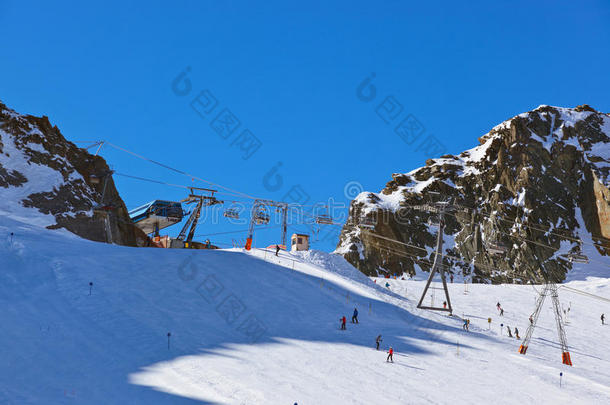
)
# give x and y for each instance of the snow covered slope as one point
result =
(259, 329)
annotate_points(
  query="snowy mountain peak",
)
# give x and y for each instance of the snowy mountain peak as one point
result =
(537, 183)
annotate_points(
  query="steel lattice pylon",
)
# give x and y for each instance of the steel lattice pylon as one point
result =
(549, 289)
(437, 266)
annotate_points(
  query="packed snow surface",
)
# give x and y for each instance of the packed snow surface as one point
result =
(253, 328)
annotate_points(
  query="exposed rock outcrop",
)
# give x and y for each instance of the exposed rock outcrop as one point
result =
(49, 181)
(537, 184)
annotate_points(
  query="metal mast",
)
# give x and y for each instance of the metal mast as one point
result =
(437, 266)
(565, 354)
(284, 226)
(535, 316)
(201, 200)
(259, 217)
(549, 289)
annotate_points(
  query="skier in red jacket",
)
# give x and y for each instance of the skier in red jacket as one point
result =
(390, 355)
(343, 323)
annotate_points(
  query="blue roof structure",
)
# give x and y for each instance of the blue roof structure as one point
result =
(157, 214)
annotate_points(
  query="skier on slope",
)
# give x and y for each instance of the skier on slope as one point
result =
(387, 284)
(465, 326)
(603, 318)
(378, 340)
(501, 311)
(531, 320)
(498, 305)
(509, 332)
(517, 333)
(355, 316)
(343, 320)
(390, 355)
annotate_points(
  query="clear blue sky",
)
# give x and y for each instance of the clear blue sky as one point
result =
(289, 73)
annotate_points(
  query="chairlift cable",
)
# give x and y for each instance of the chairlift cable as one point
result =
(242, 230)
(177, 170)
(531, 226)
(171, 184)
(585, 293)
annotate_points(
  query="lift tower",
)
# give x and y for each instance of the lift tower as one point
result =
(549, 289)
(259, 216)
(440, 208)
(202, 201)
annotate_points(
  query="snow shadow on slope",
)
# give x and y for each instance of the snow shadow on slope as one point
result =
(298, 301)
(210, 301)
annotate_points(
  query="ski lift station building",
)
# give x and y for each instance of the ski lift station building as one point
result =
(156, 215)
(299, 241)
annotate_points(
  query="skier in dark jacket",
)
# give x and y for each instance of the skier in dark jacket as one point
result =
(517, 333)
(378, 340)
(603, 319)
(277, 249)
(343, 320)
(509, 332)
(355, 316)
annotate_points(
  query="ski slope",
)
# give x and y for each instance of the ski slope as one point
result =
(252, 328)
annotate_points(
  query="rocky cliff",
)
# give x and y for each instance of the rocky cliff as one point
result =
(530, 198)
(48, 181)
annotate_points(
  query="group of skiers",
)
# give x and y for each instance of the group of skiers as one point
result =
(516, 332)
(378, 340)
(466, 326)
(500, 309)
(343, 319)
(510, 333)
(390, 357)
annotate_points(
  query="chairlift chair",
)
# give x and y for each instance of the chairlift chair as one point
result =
(324, 219)
(103, 207)
(367, 223)
(578, 258)
(94, 179)
(231, 213)
(496, 248)
(261, 217)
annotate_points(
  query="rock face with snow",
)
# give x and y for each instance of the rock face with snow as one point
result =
(48, 181)
(538, 184)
